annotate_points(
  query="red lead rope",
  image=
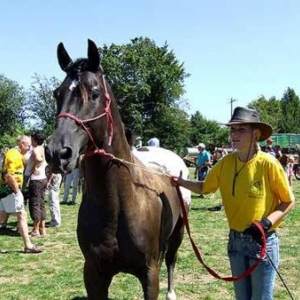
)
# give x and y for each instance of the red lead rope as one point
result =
(197, 252)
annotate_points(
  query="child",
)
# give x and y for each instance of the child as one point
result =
(290, 165)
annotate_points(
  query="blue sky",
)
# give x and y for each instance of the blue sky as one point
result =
(232, 49)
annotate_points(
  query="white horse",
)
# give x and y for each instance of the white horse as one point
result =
(165, 161)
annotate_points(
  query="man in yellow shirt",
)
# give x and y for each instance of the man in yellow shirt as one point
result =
(11, 197)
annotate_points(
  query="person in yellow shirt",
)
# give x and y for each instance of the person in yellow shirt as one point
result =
(253, 187)
(11, 197)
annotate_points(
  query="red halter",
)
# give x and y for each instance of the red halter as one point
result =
(107, 113)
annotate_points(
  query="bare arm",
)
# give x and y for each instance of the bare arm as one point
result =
(49, 180)
(11, 181)
(194, 186)
(282, 209)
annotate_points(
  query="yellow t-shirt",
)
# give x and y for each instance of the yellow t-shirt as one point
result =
(13, 164)
(259, 187)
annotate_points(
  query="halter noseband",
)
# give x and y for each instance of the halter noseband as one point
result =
(107, 113)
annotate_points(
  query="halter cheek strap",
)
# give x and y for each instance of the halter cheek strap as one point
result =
(107, 113)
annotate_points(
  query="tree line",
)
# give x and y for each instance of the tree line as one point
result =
(148, 83)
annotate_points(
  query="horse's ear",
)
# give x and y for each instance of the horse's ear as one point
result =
(93, 56)
(63, 57)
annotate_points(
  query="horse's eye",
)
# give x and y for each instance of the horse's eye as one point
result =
(95, 93)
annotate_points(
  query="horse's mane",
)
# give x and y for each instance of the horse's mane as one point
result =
(79, 65)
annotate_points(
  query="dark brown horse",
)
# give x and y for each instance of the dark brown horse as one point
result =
(129, 218)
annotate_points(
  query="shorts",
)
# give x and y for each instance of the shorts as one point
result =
(12, 204)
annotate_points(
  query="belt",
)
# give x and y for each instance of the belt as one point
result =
(242, 235)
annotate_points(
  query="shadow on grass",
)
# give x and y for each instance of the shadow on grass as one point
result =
(85, 298)
(199, 208)
(9, 232)
(11, 251)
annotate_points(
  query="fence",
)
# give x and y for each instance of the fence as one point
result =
(285, 140)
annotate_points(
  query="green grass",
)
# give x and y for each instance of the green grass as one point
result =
(57, 272)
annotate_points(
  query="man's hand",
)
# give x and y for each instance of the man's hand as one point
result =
(255, 232)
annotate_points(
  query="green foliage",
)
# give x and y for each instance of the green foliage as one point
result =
(12, 98)
(207, 131)
(147, 82)
(269, 110)
(172, 126)
(7, 140)
(283, 115)
(290, 118)
(41, 105)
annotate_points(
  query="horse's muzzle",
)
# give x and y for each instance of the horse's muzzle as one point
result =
(60, 160)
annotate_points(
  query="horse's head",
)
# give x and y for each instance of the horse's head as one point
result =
(83, 110)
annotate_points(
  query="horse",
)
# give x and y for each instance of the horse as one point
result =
(130, 218)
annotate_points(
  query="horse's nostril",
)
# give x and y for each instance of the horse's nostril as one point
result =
(65, 153)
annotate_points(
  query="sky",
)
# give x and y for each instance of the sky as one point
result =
(232, 49)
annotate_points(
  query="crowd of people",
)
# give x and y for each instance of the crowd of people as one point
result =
(26, 181)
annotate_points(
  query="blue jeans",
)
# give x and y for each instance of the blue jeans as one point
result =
(202, 174)
(71, 177)
(54, 205)
(243, 251)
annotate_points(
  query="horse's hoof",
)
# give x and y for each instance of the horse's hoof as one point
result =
(171, 295)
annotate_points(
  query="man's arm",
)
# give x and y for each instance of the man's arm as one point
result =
(13, 184)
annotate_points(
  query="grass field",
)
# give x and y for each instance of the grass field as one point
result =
(57, 272)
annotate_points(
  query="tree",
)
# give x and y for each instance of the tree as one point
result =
(12, 97)
(148, 83)
(290, 118)
(41, 105)
(269, 111)
(208, 132)
(172, 127)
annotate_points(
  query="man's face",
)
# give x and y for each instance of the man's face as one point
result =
(24, 146)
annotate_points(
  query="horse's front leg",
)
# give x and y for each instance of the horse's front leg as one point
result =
(96, 283)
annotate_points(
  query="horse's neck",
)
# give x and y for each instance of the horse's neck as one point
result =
(119, 147)
(104, 167)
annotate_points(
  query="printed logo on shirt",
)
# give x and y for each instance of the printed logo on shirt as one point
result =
(256, 189)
